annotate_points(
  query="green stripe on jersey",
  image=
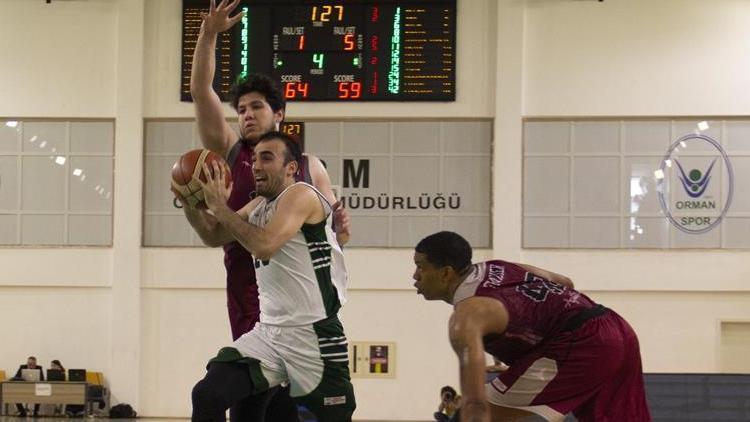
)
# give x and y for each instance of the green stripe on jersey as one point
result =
(320, 254)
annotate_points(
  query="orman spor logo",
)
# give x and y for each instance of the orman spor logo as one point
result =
(695, 182)
(695, 163)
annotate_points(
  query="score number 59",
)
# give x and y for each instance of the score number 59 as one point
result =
(299, 90)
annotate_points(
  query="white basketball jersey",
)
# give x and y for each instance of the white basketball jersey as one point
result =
(305, 281)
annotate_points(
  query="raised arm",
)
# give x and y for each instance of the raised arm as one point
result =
(471, 321)
(322, 182)
(549, 275)
(215, 132)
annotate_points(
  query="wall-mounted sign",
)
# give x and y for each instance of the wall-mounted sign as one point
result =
(689, 183)
(372, 359)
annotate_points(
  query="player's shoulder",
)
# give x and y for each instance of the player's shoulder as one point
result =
(299, 191)
(474, 305)
(313, 161)
(486, 314)
(251, 206)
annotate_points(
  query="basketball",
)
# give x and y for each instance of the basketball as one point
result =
(189, 168)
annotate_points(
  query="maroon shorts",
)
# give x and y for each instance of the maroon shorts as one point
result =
(593, 371)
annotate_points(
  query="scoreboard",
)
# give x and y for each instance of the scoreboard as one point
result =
(350, 50)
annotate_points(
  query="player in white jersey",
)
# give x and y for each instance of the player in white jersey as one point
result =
(302, 283)
(305, 281)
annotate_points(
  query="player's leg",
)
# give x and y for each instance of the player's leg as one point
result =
(317, 361)
(623, 396)
(225, 383)
(252, 408)
(274, 405)
(564, 375)
(333, 399)
(282, 406)
(250, 367)
(524, 389)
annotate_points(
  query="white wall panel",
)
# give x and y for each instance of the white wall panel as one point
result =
(636, 58)
(66, 323)
(55, 267)
(181, 330)
(59, 59)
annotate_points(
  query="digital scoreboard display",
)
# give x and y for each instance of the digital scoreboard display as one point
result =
(348, 50)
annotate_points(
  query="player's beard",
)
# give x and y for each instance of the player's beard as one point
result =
(273, 185)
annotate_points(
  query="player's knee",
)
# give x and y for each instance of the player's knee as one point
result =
(206, 398)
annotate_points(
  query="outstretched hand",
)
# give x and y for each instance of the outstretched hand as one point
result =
(217, 19)
(342, 222)
(215, 190)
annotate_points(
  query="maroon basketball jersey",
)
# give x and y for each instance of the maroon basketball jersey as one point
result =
(242, 288)
(537, 308)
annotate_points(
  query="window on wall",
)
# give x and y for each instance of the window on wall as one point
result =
(657, 183)
(56, 182)
(163, 223)
(401, 180)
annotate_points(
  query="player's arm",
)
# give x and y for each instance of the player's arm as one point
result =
(298, 206)
(549, 275)
(321, 180)
(208, 227)
(472, 319)
(215, 132)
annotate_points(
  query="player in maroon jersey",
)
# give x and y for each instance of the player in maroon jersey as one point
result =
(565, 353)
(260, 108)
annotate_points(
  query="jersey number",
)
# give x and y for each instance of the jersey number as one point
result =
(261, 263)
(537, 288)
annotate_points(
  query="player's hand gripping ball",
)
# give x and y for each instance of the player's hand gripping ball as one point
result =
(186, 172)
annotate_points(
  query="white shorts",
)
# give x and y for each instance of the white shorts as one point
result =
(313, 359)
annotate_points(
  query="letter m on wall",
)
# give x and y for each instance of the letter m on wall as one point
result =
(356, 175)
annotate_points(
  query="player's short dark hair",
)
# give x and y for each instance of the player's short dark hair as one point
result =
(262, 84)
(446, 249)
(450, 390)
(293, 151)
